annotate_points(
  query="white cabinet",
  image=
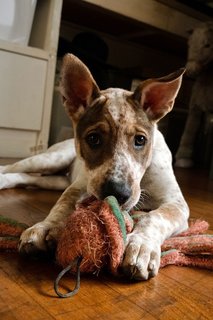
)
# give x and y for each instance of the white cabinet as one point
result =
(26, 85)
(24, 100)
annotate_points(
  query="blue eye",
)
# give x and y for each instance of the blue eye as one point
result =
(94, 140)
(139, 141)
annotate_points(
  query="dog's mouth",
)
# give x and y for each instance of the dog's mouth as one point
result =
(126, 206)
(87, 199)
(127, 196)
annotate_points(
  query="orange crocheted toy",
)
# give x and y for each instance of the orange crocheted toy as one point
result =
(95, 231)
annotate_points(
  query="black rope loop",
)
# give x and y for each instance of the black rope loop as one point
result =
(71, 293)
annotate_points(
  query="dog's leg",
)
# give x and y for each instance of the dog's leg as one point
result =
(56, 158)
(170, 215)
(43, 235)
(13, 180)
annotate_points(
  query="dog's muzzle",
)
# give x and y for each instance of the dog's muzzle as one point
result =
(121, 191)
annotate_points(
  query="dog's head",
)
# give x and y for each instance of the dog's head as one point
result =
(114, 128)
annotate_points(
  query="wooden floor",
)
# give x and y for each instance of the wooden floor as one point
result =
(26, 286)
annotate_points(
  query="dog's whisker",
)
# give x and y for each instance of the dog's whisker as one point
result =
(144, 196)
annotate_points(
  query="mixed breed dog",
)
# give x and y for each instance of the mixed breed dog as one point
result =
(117, 150)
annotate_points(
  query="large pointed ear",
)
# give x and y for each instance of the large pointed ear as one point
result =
(77, 86)
(157, 96)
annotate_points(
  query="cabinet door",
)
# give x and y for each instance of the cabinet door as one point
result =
(22, 89)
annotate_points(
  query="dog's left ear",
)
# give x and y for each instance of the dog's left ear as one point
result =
(78, 88)
(157, 96)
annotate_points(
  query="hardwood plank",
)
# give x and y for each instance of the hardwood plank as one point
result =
(165, 298)
(109, 309)
(27, 205)
(196, 279)
(15, 303)
(172, 300)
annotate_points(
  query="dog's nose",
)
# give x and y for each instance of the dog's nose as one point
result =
(120, 191)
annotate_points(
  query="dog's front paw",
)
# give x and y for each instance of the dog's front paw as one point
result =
(141, 258)
(41, 237)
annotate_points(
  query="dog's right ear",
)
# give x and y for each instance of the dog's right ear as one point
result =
(78, 88)
(157, 96)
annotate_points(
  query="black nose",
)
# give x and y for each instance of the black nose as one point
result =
(120, 191)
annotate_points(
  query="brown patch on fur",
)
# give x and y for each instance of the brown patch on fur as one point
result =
(97, 120)
(117, 119)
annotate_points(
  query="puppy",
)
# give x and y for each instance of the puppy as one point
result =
(118, 151)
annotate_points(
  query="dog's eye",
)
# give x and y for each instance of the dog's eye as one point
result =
(94, 140)
(139, 141)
